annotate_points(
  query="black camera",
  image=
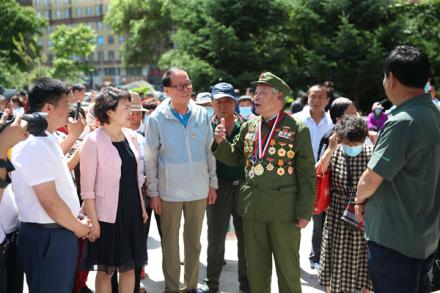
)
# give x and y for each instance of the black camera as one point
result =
(37, 123)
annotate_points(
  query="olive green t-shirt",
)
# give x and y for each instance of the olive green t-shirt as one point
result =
(404, 212)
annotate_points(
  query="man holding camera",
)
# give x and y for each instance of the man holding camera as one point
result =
(46, 197)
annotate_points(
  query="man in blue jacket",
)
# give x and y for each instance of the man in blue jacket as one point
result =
(181, 175)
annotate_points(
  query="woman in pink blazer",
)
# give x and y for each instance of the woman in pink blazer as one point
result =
(110, 187)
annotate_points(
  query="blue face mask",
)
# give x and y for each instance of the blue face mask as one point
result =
(245, 111)
(378, 111)
(352, 151)
(210, 111)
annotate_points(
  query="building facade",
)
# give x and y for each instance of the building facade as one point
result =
(106, 59)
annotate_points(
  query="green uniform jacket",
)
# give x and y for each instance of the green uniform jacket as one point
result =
(286, 189)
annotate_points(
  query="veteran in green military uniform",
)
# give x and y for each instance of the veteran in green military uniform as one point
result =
(277, 197)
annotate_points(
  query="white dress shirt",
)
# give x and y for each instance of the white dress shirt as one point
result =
(39, 160)
(317, 131)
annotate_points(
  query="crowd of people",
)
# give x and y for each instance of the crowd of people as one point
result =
(79, 195)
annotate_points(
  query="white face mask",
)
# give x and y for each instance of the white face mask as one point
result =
(245, 111)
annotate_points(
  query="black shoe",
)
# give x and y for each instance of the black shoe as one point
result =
(194, 291)
(85, 290)
(244, 287)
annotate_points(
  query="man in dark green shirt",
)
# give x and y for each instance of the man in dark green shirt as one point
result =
(230, 179)
(399, 194)
(277, 197)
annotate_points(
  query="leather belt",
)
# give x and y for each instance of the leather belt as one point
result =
(45, 226)
(230, 182)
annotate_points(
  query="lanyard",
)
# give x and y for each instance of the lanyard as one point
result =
(263, 144)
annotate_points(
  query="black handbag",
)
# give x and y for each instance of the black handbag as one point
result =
(349, 216)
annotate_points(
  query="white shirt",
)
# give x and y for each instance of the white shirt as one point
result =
(317, 131)
(8, 212)
(38, 160)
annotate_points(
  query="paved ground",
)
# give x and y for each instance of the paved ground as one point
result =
(228, 283)
(154, 281)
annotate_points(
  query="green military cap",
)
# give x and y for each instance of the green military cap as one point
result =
(274, 81)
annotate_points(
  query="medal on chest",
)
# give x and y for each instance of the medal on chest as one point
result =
(269, 166)
(282, 151)
(280, 170)
(290, 152)
(259, 169)
(290, 169)
(272, 149)
(262, 147)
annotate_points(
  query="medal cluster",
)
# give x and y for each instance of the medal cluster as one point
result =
(267, 149)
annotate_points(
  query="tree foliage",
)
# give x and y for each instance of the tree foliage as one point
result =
(303, 41)
(19, 51)
(71, 46)
(146, 26)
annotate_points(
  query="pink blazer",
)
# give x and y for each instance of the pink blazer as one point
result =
(100, 167)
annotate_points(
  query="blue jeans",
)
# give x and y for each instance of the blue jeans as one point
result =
(393, 272)
(48, 257)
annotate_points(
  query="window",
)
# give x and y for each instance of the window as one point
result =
(111, 55)
(121, 39)
(49, 29)
(99, 10)
(89, 11)
(110, 71)
(58, 14)
(110, 40)
(90, 58)
(134, 71)
(78, 11)
(67, 1)
(101, 56)
(99, 25)
(47, 14)
(47, 2)
(49, 43)
(67, 13)
(100, 40)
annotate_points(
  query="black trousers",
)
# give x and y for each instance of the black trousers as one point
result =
(318, 226)
(435, 282)
(11, 274)
(392, 271)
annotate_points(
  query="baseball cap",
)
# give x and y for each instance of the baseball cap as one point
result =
(222, 90)
(203, 98)
(273, 81)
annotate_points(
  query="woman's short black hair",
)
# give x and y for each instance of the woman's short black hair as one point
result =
(352, 128)
(338, 107)
(106, 100)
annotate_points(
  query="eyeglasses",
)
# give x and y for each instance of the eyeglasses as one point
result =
(181, 87)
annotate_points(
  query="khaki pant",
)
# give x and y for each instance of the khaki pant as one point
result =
(193, 213)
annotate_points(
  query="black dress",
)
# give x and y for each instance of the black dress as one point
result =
(121, 246)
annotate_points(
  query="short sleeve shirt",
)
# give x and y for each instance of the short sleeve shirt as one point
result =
(39, 160)
(404, 212)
